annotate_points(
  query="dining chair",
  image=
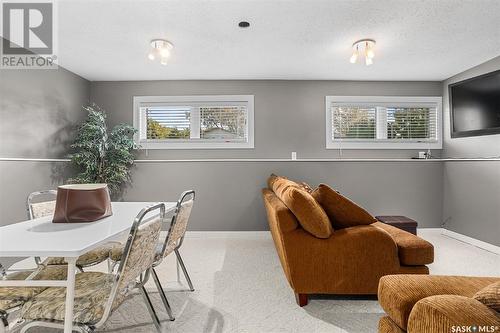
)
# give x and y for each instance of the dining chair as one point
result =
(175, 237)
(11, 298)
(98, 294)
(172, 243)
(43, 203)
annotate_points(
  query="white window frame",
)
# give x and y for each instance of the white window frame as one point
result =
(332, 143)
(140, 123)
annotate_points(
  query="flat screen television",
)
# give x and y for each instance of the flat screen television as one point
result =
(475, 106)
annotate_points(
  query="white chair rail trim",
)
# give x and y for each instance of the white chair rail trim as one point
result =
(485, 159)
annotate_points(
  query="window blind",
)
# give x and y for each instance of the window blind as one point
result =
(168, 122)
(384, 123)
(413, 123)
(223, 122)
(353, 122)
(194, 122)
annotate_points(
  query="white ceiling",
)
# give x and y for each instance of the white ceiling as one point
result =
(416, 40)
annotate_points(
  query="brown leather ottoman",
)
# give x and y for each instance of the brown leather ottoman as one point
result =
(400, 222)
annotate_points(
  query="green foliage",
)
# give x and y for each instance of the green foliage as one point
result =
(226, 118)
(362, 130)
(102, 157)
(157, 131)
(410, 123)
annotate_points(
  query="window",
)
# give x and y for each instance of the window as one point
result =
(363, 122)
(194, 122)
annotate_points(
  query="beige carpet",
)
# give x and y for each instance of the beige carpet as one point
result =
(240, 287)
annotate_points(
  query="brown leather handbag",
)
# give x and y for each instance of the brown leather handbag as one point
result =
(82, 203)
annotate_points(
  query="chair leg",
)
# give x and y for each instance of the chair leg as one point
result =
(150, 307)
(110, 266)
(162, 295)
(3, 322)
(184, 270)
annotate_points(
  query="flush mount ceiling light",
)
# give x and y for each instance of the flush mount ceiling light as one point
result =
(160, 49)
(365, 47)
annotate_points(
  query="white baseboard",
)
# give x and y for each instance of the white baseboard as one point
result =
(229, 234)
(472, 241)
(438, 230)
(267, 235)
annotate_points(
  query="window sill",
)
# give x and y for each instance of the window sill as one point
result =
(196, 145)
(384, 145)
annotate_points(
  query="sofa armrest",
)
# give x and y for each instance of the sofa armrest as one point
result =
(413, 250)
(441, 313)
(352, 259)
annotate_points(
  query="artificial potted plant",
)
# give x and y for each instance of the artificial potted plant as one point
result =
(100, 156)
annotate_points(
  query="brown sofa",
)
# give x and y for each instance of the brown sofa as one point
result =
(350, 261)
(434, 304)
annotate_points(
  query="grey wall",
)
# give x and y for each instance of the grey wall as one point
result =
(471, 202)
(38, 112)
(289, 116)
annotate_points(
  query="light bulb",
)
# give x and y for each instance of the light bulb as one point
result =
(368, 61)
(354, 56)
(164, 61)
(370, 53)
(151, 56)
(164, 52)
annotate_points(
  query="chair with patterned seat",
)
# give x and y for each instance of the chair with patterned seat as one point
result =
(172, 243)
(41, 204)
(98, 294)
(11, 298)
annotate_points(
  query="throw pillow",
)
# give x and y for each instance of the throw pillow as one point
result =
(489, 296)
(278, 184)
(308, 212)
(342, 212)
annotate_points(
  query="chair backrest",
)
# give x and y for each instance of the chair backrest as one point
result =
(138, 255)
(179, 223)
(140, 250)
(39, 208)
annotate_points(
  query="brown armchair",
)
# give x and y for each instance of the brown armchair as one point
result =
(350, 261)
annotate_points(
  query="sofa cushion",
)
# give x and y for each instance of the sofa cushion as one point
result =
(306, 187)
(490, 296)
(307, 211)
(342, 212)
(279, 184)
(443, 313)
(397, 294)
(386, 325)
(412, 250)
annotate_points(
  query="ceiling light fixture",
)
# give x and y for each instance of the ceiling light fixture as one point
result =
(160, 48)
(366, 47)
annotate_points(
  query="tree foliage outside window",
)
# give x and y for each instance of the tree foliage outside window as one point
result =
(402, 123)
(102, 156)
(214, 122)
(408, 123)
(228, 119)
(157, 131)
(354, 122)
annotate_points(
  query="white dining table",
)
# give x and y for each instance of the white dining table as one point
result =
(42, 238)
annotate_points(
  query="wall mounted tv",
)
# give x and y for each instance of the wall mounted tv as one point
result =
(475, 106)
